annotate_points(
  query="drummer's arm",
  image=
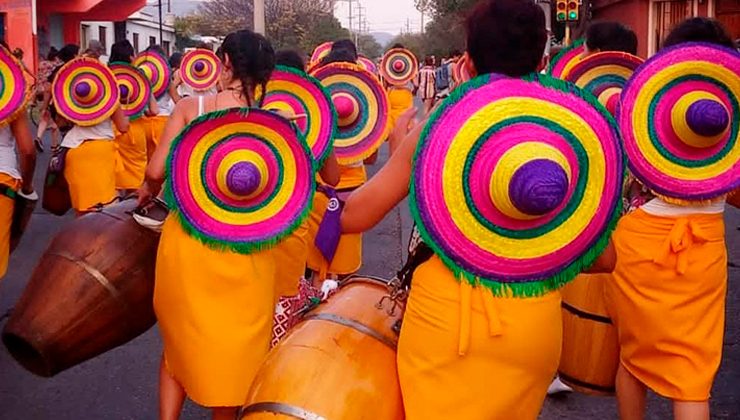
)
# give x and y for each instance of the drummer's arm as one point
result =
(153, 106)
(606, 261)
(156, 168)
(329, 171)
(120, 120)
(176, 81)
(21, 130)
(367, 205)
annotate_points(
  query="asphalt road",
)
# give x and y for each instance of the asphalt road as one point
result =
(122, 384)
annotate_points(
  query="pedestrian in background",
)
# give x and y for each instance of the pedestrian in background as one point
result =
(427, 83)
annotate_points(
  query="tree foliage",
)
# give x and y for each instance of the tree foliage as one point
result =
(290, 24)
(368, 46)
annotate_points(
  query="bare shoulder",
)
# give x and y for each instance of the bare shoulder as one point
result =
(187, 108)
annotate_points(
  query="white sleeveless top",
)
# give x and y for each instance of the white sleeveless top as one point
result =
(8, 157)
(166, 105)
(659, 207)
(78, 135)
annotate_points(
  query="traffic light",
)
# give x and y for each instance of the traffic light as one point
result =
(572, 10)
(561, 10)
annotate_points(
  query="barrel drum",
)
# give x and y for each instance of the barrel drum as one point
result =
(590, 355)
(338, 363)
(90, 292)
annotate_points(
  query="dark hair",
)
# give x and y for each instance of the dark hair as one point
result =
(121, 51)
(339, 56)
(611, 36)
(204, 46)
(157, 49)
(506, 36)
(4, 44)
(175, 60)
(252, 59)
(342, 51)
(52, 54)
(699, 30)
(69, 52)
(455, 53)
(429, 60)
(290, 58)
(397, 45)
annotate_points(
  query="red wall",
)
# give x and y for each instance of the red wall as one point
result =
(633, 13)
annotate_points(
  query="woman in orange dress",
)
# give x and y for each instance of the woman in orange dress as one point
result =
(667, 297)
(214, 306)
(464, 351)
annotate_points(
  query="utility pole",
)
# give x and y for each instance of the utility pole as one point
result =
(359, 23)
(160, 22)
(408, 25)
(259, 16)
(350, 16)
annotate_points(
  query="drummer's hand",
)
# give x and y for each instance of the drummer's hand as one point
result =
(404, 124)
(146, 193)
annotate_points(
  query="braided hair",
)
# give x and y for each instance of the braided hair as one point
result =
(252, 60)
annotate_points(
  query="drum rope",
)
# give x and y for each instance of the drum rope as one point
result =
(355, 325)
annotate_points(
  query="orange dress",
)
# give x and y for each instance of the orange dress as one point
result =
(667, 300)
(348, 258)
(465, 354)
(7, 205)
(214, 309)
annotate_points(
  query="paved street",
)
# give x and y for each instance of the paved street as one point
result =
(122, 383)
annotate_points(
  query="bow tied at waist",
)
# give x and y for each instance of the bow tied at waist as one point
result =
(684, 234)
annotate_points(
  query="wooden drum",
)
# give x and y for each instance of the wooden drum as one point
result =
(339, 363)
(90, 292)
(590, 354)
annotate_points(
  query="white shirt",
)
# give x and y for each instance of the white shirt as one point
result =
(78, 134)
(659, 207)
(8, 157)
(166, 105)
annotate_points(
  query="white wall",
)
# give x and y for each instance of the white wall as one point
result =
(139, 25)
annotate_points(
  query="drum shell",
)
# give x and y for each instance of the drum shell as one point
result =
(324, 369)
(590, 355)
(91, 291)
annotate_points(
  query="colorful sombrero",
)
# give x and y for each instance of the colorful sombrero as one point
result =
(679, 116)
(399, 66)
(85, 91)
(302, 95)
(362, 110)
(321, 51)
(367, 64)
(134, 87)
(604, 74)
(157, 70)
(240, 178)
(200, 69)
(14, 88)
(460, 72)
(517, 183)
(566, 59)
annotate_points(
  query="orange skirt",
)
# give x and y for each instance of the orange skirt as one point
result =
(132, 154)
(156, 128)
(7, 205)
(667, 301)
(348, 258)
(465, 354)
(90, 170)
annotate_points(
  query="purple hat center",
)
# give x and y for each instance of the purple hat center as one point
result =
(707, 118)
(124, 91)
(82, 89)
(243, 178)
(538, 187)
(200, 66)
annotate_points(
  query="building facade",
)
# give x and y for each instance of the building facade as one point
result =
(35, 25)
(141, 29)
(652, 20)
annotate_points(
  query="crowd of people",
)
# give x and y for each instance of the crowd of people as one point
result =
(215, 306)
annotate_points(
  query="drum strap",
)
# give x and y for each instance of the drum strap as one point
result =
(8, 191)
(420, 254)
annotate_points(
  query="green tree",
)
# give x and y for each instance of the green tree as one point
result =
(368, 46)
(413, 42)
(185, 28)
